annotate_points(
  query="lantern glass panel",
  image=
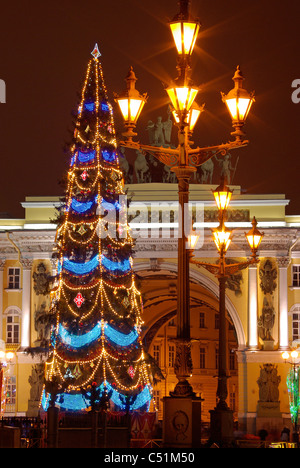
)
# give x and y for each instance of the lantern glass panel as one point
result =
(184, 35)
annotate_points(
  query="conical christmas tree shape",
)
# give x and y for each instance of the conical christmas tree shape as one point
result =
(96, 343)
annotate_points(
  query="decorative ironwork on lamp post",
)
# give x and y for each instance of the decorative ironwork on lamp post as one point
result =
(183, 160)
(222, 237)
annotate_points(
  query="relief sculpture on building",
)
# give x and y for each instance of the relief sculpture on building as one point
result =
(268, 383)
(268, 275)
(266, 321)
(41, 287)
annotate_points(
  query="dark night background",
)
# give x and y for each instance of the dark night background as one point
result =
(45, 48)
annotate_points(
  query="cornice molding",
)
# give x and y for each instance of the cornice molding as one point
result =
(276, 242)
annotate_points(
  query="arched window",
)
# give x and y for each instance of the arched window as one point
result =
(13, 325)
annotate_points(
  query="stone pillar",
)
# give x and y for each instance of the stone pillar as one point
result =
(283, 263)
(26, 295)
(252, 306)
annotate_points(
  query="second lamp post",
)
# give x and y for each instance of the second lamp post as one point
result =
(221, 416)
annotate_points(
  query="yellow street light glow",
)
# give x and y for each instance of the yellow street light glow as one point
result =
(131, 108)
(238, 100)
(222, 196)
(131, 102)
(222, 238)
(192, 241)
(185, 34)
(184, 29)
(254, 236)
(182, 97)
(192, 115)
(10, 355)
(238, 107)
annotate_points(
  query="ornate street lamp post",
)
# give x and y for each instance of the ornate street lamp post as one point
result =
(183, 161)
(221, 417)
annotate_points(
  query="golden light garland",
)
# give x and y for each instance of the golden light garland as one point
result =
(93, 230)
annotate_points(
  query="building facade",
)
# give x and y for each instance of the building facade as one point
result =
(262, 302)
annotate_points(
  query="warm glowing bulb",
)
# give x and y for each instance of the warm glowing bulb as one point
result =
(222, 199)
(132, 102)
(182, 97)
(192, 241)
(131, 108)
(10, 355)
(222, 238)
(238, 100)
(185, 34)
(254, 236)
(222, 195)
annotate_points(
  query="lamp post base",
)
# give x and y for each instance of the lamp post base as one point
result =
(182, 422)
(295, 437)
(221, 427)
(183, 389)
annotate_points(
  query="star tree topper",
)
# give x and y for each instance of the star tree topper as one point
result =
(95, 53)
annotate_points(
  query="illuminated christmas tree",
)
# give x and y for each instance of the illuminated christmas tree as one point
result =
(96, 346)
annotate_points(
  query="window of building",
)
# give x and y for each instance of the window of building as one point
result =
(10, 394)
(156, 397)
(171, 355)
(217, 321)
(156, 354)
(14, 278)
(232, 401)
(296, 276)
(202, 358)
(232, 360)
(172, 323)
(202, 320)
(217, 358)
(296, 322)
(13, 327)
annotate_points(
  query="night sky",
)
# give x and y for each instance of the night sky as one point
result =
(44, 50)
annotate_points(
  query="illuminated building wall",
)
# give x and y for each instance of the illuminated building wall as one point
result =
(27, 243)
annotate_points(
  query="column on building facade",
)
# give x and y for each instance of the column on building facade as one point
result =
(252, 307)
(26, 296)
(283, 263)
